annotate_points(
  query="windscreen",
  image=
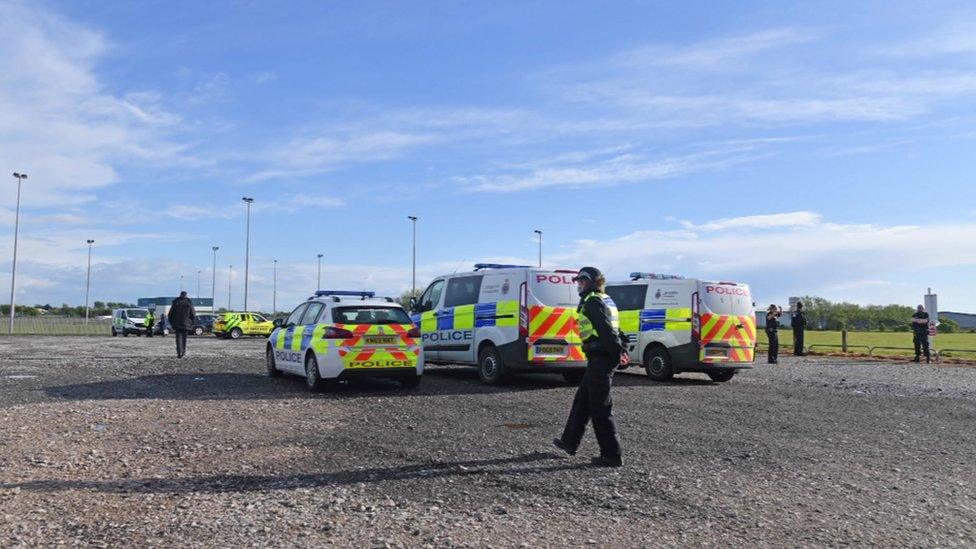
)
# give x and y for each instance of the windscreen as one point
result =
(367, 314)
(553, 289)
(628, 297)
(135, 313)
(726, 299)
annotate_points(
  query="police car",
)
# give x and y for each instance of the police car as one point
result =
(338, 335)
(686, 325)
(236, 325)
(502, 319)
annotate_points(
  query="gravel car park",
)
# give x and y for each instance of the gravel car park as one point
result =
(112, 441)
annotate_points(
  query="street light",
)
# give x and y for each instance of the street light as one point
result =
(538, 232)
(413, 284)
(230, 278)
(318, 282)
(181, 283)
(213, 283)
(13, 269)
(198, 283)
(88, 278)
(247, 248)
(274, 289)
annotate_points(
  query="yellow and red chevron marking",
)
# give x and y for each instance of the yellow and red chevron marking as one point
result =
(379, 357)
(726, 328)
(360, 330)
(553, 323)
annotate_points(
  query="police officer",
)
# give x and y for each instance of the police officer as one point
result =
(605, 350)
(150, 321)
(920, 334)
(772, 333)
(799, 324)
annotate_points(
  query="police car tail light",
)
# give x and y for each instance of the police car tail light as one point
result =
(414, 332)
(336, 333)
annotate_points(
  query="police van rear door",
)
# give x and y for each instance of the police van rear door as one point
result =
(553, 331)
(728, 324)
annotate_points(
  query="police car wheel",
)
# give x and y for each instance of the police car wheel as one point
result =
(410, 382)
(273, 370)
(657, 364)
(236, 333)
(721, 376)
(573, 377)
(490, 367)
(312, 377)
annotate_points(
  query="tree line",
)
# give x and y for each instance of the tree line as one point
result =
(823, 314)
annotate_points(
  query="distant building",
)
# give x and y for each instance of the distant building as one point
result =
(966, 321)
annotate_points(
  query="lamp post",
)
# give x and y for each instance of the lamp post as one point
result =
(13, 268)
(318, 282)
(230, 278)
(413, 283)
(274, 289)
(198, 283)
(213, 283)
(88, 278)
(538, 232)
(181, 283)
(247, 247)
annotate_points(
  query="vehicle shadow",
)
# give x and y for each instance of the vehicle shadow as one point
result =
(527, 463)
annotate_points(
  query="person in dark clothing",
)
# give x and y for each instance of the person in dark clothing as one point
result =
(920, 334)
(150, 322)
(772, 333)
(181, 317)
(799, 324)
(605, 350)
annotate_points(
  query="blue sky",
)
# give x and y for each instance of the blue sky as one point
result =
(805, 148)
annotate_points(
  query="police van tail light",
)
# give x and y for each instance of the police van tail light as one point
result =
(336, 333)
(414, 332)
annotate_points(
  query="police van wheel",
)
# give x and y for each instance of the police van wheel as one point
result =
(573, 377)
(273, 370)
(236, 333)
(657, 364)
(125, 333)
(115, 333)
(312, 377)
(410, 382)
(721, 376)
(491, 370)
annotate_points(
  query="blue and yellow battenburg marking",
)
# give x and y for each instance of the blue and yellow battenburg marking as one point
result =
(676, 319)
(466, 317)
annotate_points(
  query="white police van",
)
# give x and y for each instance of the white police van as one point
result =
(131, 320)
(502, 318)
(686, 325)
(339, 335)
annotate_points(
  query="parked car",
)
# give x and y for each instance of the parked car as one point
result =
(204, 323)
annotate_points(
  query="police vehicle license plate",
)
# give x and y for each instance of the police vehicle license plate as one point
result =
(381, 340)
(550, 350)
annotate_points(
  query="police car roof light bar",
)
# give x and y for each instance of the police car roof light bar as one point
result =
(479, 266)
(654, 276)
(346, 293)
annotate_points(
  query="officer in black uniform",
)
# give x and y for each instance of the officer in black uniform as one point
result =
(605, 347)
(920, 333)
(799, 323)
(772, 333)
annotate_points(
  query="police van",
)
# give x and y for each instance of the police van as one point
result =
(340, 334)
(686, 325)
(131, 320)
(502, 319)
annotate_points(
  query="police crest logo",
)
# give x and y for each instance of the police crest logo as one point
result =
(506, 287)
(657, 295)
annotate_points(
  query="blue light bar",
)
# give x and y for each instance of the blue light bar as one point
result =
(479, 266)
(347, 293)
(654, 276)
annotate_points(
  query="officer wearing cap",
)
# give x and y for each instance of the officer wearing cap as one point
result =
(605, 349)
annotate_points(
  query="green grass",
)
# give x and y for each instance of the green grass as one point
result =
(46, 325)
(878, 339)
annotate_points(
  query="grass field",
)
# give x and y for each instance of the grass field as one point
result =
(878, 339)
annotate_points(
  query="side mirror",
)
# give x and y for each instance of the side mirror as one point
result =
(413, 305)
(278, 322)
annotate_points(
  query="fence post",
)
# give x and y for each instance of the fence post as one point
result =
(843, 340)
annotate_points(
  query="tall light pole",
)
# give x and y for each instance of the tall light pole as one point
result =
(88, 278)
(213, 283)
(538, 232)
(413, 284)
(274, 289)
(318, 281)
(13, 269)
(247, 247)
(181, 283)
(230, 277)
(198, 283)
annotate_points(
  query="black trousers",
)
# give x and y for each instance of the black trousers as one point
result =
(149, 330)
(773, 354)
(921, 345)
(180, 341)
(593, 403)
(798, 342)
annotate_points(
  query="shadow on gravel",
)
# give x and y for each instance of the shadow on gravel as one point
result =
(528, 463)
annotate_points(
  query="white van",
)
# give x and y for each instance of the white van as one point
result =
(502, 319)
(127, 321)
(686, 325)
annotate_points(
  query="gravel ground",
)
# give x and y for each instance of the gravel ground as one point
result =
(115, 441)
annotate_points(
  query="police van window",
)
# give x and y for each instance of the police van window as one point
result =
(137, 313)
(312, 313)
(462, 291)
(431, 296)
(368, 314)
(296, 315)
(629, 297)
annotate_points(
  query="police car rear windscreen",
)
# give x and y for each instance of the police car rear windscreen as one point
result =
(365, 314)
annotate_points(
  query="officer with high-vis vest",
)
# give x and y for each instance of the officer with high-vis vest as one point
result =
(150, 322)
(606, 350)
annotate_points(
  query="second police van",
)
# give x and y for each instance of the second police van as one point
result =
(686, 325)
(502, 319)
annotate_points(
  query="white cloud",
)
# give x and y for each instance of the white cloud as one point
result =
(182, 211)
(791, 219)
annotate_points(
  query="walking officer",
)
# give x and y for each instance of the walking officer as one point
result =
(606, 349)
(772, 333)
(799, 324)
(920, 334)
(150, 322)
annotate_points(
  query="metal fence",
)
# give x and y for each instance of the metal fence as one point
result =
(46, 325)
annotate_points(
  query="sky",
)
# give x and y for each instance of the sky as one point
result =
(805, 148)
